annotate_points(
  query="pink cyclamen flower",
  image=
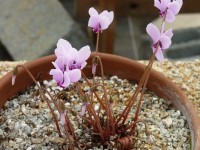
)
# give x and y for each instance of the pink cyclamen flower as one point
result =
(100, 22)
(171, 8)
(161, 41)
(69, 63)
(83, 109)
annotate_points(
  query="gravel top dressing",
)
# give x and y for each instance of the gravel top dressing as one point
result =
(26, 121)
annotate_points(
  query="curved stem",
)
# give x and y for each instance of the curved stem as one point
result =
(45, 98)
(108, 111)
(90, 85)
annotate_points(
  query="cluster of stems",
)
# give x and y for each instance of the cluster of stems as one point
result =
(111, 126)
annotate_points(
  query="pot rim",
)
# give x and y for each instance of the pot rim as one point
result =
(157, 83)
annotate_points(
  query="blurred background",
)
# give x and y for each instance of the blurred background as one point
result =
(31, 28)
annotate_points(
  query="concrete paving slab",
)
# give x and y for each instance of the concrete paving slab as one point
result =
(31, 28)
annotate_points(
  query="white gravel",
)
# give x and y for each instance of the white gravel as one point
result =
(26, 122)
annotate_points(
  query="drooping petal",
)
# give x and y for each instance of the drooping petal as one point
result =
(66, 80)
(165, 42)
(93, 12)
(174, 7)
(169, 33)
(153, 32)
(83, 54)
(74, 75)
(159, 54)
(57, 75)
(170, 17)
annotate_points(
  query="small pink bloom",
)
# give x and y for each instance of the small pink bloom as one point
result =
(161, 41)
(62, 118)
(171, 8)
(94, 68)
(13, 79)
(100, 22)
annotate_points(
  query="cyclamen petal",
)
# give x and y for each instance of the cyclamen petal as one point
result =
(103, 23)
(74, 75)
(165, 42)
(94, 23)
(66, 80)
(57, 75)
(83, 54)
(159, 54)
(93, 12)
(169, 33)
(174, 7)
(109, 15)
(153, 32)
(170, 17)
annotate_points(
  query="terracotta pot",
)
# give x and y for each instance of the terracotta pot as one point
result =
(113, 65)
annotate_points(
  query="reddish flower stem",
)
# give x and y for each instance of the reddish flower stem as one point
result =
(108, 111)
(71, 129)
(71, 147)
(134, 96)
(90, 85)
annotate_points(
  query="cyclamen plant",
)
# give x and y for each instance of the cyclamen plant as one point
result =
(68, 71)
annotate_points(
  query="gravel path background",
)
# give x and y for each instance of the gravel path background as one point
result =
(186, 74)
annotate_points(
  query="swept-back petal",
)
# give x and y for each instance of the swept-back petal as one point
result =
(174, 7)
(165, 42)
(93, 12)
(170, 17)
(74, 75)
(83, 54)
(153, 32)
